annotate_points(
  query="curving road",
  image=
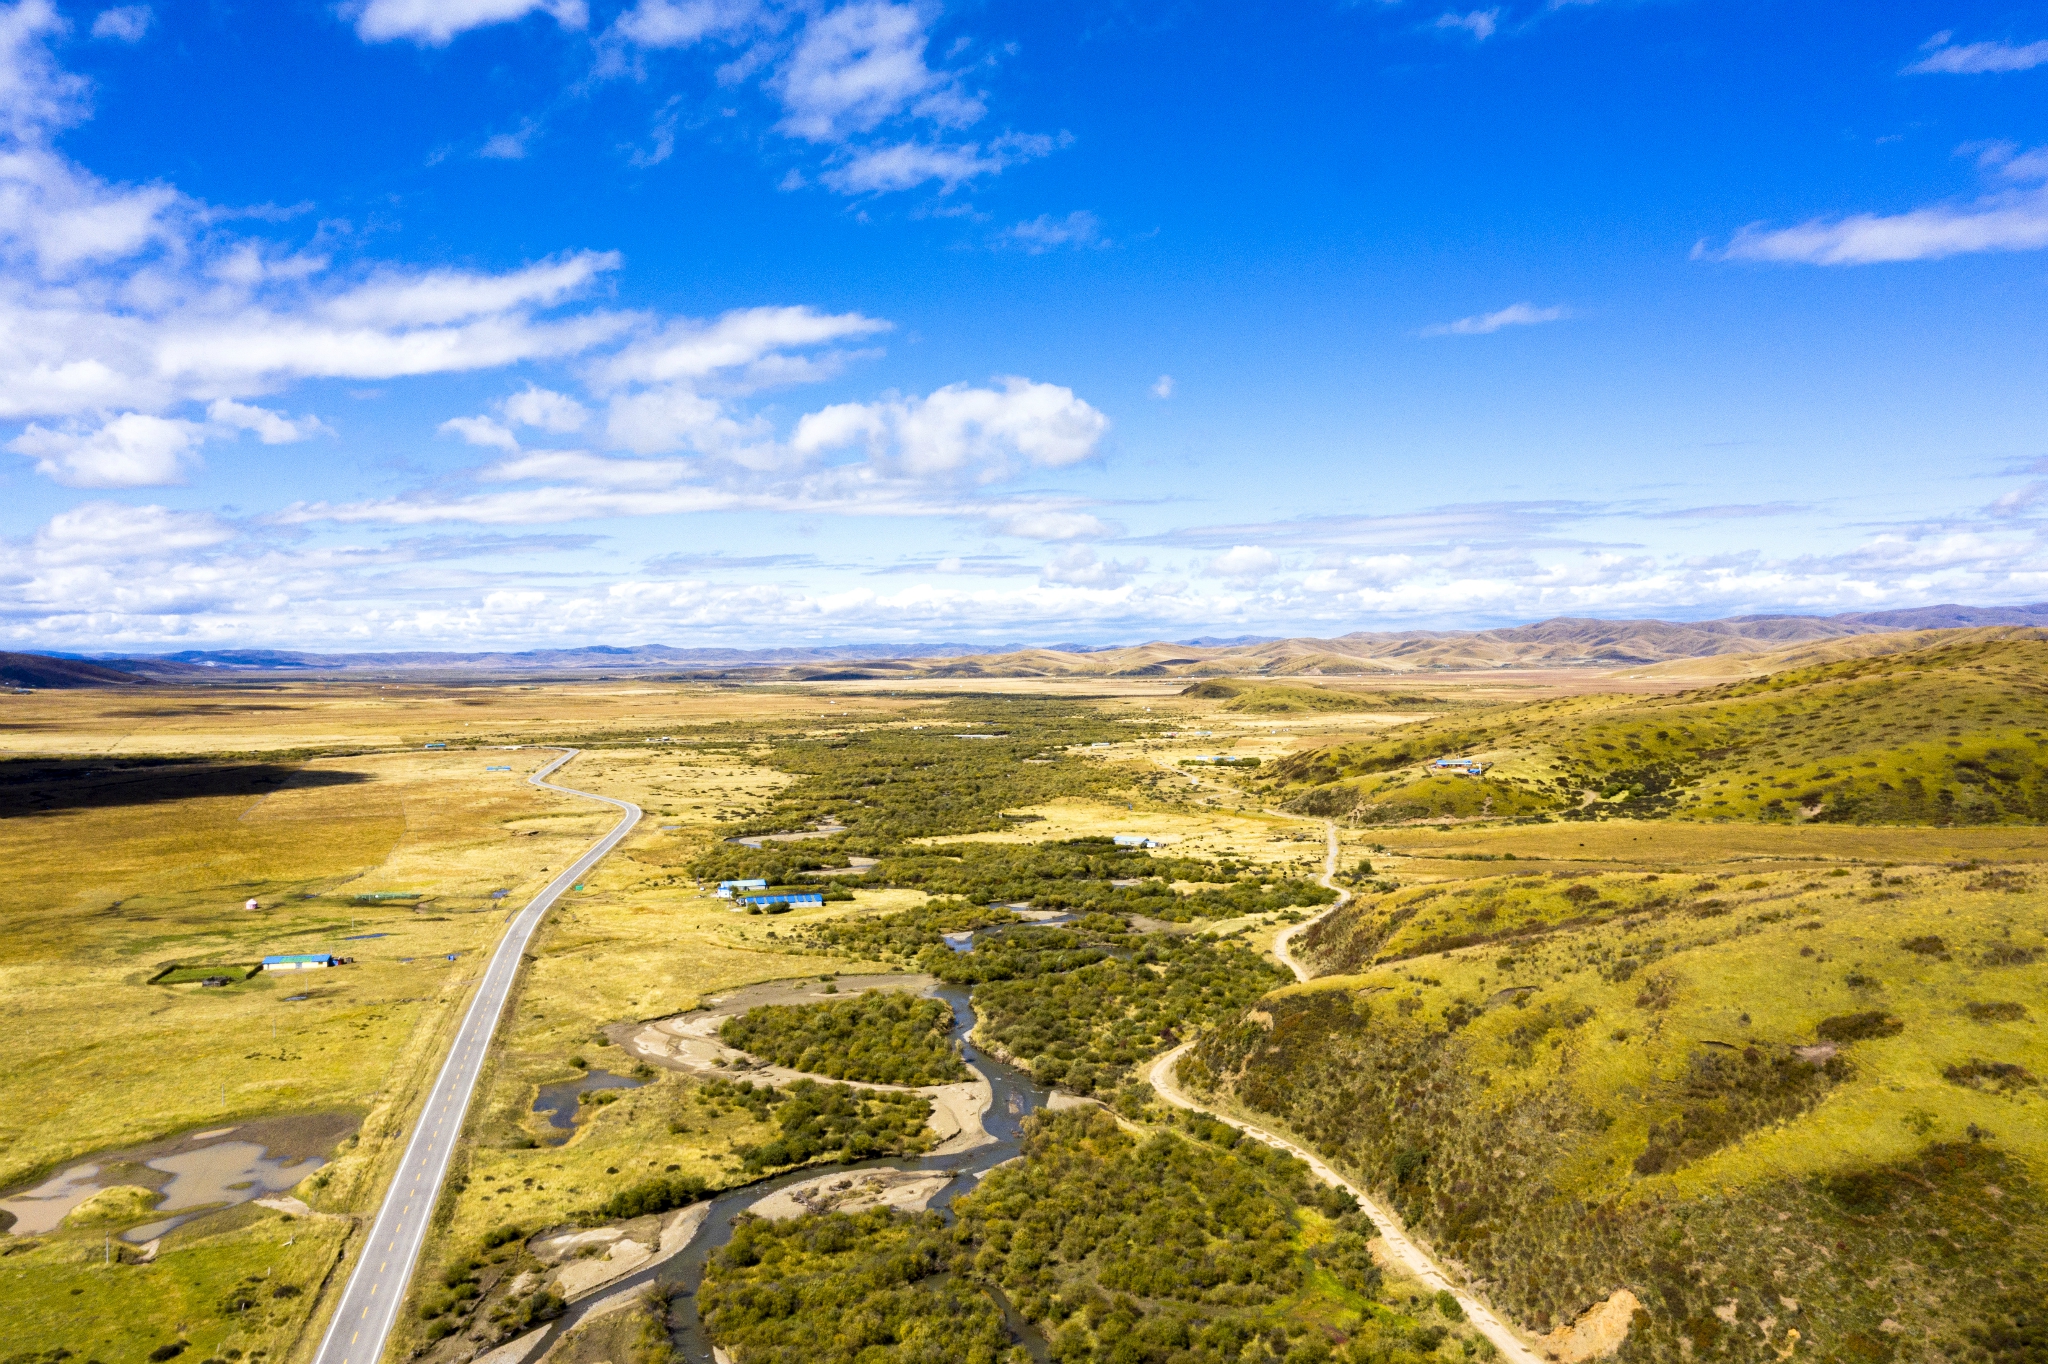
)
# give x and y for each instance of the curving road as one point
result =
(376, 1290)
(1328, 879)
(1400, 1246)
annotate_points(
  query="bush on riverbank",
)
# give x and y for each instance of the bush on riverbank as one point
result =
(875, 1288)
(880, 1037)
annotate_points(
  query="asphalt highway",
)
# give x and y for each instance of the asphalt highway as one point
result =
(376, 1290)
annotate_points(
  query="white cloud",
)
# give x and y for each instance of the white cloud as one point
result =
(852, 79)
(112, 532)
(595, 471)
(125, 24)
(857, 65)
(545, 410)
(985, 433)
(434, 23)
(1484, 324)
(1246, 563)
(1162, 387)
(1047, 233)
(508, 146)
(2013, 220)
(396, 298)
(906, 165)
(677, 417)
(35, 95)
(744, 340)
(1973, 59)
(1052, 525)
(681, 23)
(270, 427)
(1078, 566)
(133, 450)
(1480, 23)
(480, 431)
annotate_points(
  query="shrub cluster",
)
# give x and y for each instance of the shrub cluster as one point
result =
(879, 1036)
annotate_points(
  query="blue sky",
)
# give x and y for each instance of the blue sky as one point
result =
(481, 323)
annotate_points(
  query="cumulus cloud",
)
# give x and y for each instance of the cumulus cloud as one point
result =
(133, 450)
(862, 63)
(123, 24)
(1944, 57)
(962, 431)
(112, 532)
(1245, 562)
(1079, 566)
(851, 80)
(1480, 23)
(434, 23)
(1162, 387)
(36, 96)
(1485, 324)
(545, 410)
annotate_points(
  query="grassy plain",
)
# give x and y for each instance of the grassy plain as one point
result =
(139, 824)
(143, 820)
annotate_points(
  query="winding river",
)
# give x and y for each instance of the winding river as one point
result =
(1016, 1095)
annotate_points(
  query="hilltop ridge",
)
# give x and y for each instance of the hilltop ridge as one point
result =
(1560, 642)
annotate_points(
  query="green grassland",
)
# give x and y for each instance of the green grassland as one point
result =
(1727, 1094)
(880, 1036)
(243, 1281)
(1954, 733)
(1252, 698)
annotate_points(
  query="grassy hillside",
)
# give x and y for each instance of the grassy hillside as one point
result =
(1764, 1103)
(1953, 733)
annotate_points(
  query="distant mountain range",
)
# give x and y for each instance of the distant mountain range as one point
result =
(1559, 643)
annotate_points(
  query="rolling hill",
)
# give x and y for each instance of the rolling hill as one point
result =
(1952, 732)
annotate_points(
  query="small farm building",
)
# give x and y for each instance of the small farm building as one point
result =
(1135, 841)
(726, 888)
(765, 901)
(300, 961)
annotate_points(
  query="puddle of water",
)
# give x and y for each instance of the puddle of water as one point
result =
(361, 937)
(561, 1102)
(499, 894)
(960, 942)
(40, 1209)
(204, 1179)
(227, 1172)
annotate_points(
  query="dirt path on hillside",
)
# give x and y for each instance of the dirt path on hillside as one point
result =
(1411, 1257)
(1328, 880)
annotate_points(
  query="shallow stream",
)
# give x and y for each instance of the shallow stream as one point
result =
(1015, 1095)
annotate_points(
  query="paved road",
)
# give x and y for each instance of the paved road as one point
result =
(1328, 878)
(376, 1291)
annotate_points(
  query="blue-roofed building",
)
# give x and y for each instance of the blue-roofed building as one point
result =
(726, 888)
(301, 961)
(783, 901)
